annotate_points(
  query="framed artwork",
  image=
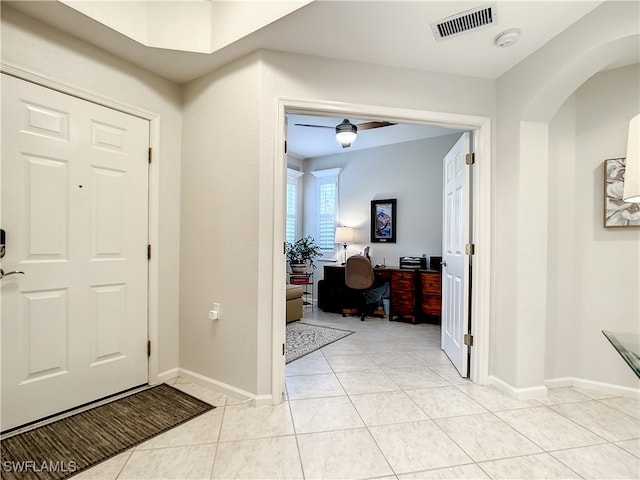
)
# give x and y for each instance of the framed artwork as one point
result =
(383, 221)
(617, 213)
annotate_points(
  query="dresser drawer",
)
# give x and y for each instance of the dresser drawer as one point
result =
(403, 284)
(431, 304)
(408, 275)
(430, 282)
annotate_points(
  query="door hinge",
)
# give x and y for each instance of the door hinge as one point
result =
(470, 158)
(470, 248)
(148, 252)
(284, 247)
(285, 146)
(283, 349)
(150, 154)
(468, 339)
(148, 348)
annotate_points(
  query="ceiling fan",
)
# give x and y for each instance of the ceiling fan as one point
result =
(346, 132)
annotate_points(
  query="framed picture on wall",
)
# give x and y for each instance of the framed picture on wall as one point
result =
(617, 213)
(383, 221)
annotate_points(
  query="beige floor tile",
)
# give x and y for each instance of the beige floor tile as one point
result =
(366, 381)
(246, 422)
(601, 462)
(265, 458)
(486, 437)
(449, 373)
(563, 395)
(445, 402)
(107, 470)
(532, 467)
(313, 386)
(415, 378)
(462, 472)
(198, 431)
(350, 363)
(347, 454)
(494, 400)
(548, 429)
(385, 408)
(631, 446)
(176, 463)
(628, 405)
(416, 446)
(324, 414)
(311, 364)
(205, 394)
(597, 417)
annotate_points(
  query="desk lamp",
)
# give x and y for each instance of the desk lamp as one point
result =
(344, 235)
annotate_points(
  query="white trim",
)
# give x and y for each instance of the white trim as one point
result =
(221, 387)
(154, 188)
(168, 375)
(482, 215)
(600, 387)
(293, 173)
(528, 393)
(329, 172)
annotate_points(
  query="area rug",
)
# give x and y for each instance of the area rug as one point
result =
(68, 446)
(304, 338)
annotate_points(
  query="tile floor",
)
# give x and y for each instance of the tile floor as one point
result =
(386, 403)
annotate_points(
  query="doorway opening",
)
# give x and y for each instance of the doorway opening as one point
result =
(481, 211)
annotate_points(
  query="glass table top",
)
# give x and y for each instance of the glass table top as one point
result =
(628, 346)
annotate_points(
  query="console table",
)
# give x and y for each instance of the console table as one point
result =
(414, 294)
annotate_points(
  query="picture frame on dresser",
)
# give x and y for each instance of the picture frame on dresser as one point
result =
(383, 220)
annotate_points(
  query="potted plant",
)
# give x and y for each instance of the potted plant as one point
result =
(302, 253)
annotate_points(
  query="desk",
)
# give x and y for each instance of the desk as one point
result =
(414, 294)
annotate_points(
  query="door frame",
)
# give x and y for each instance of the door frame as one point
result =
(154, 191)
(481, 231)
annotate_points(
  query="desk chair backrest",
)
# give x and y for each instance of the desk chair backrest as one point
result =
(358, 273)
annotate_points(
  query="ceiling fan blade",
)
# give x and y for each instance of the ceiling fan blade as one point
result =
(369, 125)
(314, 126)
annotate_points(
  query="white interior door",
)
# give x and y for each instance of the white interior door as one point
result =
(74, 208)
(455, 281)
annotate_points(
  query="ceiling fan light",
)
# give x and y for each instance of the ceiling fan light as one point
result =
(346, 133)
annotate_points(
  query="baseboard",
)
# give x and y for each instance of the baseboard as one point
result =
(166, 376)
(527, 393)
(221, 387)
(600, 387)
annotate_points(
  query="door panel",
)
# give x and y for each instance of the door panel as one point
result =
(455, 288)
(74, 206)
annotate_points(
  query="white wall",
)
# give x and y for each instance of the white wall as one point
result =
(410, 172)
(38, 48)
(594, 273)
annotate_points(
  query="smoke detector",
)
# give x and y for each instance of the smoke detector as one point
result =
(507, 38)
(464, 21)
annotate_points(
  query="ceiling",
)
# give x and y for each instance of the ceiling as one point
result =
(393, 33)
(309, 142)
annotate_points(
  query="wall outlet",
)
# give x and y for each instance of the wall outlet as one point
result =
(214, 313)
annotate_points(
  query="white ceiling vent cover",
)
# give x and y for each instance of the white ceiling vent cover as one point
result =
(464, 21)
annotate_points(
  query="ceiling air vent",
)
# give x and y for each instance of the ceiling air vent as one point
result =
(464, 21)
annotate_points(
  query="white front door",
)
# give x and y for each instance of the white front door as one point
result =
(74, 207)
(455, 269)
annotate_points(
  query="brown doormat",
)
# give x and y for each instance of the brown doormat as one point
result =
(68, 446)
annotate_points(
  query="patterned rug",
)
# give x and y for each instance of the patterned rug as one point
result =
(304, 338)
(65, 447)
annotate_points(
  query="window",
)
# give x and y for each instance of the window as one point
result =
(327, 195)
(292, 229)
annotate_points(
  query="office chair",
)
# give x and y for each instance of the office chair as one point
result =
(358, 275)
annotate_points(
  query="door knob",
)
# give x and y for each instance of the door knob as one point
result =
(14, 272)
(443, 263)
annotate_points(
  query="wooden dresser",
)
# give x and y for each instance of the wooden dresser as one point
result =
(414, 294)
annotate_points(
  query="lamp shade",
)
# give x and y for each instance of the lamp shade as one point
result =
(344, 234)
(631, 189)
(346, 133)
